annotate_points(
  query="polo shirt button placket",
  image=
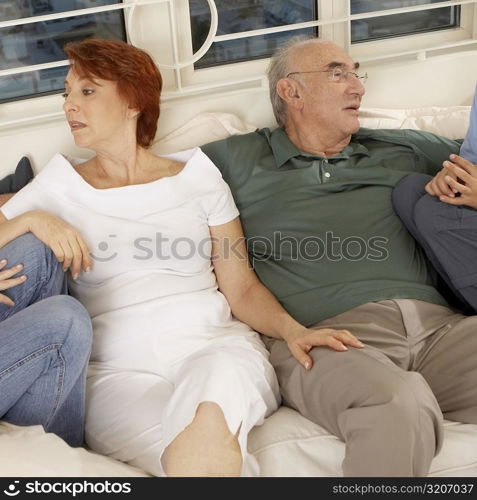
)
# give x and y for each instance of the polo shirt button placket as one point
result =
(326, 174)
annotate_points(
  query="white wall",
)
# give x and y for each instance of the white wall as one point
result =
(441, 81)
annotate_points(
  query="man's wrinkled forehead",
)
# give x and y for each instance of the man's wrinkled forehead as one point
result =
(323, 55)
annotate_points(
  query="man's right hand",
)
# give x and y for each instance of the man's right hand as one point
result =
(64, 240)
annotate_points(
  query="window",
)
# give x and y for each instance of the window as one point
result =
(248, 15)
(30, 43)
(381, 27)
(33, 32)
(242, 17)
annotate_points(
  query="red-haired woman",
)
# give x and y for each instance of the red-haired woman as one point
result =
(175, 383)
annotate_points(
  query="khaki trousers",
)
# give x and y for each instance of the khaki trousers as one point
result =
(387, 400)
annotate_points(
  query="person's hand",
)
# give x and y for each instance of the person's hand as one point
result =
(64, 240)
(7, 280)
(462, 178)
(302, 342)
(439, 186)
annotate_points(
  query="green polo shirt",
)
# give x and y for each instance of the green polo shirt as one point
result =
(321, 232)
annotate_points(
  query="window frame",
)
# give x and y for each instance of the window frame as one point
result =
(417, 46)
(148, 28)
(419, 43)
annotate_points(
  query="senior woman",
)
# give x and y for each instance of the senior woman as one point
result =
(176, 382)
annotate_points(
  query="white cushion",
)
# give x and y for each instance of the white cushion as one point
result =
(451, 121)
(203, 128)
(30, 451)
(288, 444)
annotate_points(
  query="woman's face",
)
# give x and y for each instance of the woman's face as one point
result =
(98, 117)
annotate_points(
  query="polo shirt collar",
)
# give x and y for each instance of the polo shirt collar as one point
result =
(284, 150)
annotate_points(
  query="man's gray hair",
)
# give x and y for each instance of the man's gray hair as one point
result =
(279, 68)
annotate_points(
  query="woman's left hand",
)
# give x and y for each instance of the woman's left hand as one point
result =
(303, 341)
(465, 182)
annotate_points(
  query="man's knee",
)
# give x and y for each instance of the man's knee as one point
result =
(430, 225)
(339, 381)
(407, 192)
(406, 398)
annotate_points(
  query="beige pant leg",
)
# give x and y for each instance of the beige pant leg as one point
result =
(388, 417)
(448, 361)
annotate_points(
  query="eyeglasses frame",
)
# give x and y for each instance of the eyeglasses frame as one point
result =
(361, 78)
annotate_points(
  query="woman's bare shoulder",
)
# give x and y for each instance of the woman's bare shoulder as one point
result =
(164, 167)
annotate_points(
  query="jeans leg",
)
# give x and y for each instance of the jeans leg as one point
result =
(407, 192)
(45, 276)
(450, 233)
(409, 198)
(44, 351)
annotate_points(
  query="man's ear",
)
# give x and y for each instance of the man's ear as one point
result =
(290, 91)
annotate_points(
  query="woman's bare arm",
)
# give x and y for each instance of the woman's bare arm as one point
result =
(64, 240)
(252, 303)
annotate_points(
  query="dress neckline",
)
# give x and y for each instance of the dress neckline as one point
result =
(187, 163)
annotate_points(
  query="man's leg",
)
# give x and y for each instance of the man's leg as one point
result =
(449, 365)
(450, 232)
(388, 417)
(44, 351)
(45, 276)
(448, 236)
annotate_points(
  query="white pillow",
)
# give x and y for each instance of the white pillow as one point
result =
(30, 451)
(451, 121)
(203, 128)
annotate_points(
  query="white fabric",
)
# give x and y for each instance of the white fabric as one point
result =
(134, 415)
(451, 122)
(286, 445)
(157, 313)
(203, 128)
(31, 452)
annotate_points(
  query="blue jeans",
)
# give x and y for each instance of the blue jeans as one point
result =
(45, 342)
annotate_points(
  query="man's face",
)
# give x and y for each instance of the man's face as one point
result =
(328, 104)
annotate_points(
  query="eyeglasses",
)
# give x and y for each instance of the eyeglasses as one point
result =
(335, 75)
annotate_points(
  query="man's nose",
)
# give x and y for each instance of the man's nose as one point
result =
(356, 86)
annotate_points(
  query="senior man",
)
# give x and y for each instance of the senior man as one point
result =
(315, 202)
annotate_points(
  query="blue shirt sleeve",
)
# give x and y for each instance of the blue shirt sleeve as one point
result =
(468, 149)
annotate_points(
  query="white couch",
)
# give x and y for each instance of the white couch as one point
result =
(287, 444)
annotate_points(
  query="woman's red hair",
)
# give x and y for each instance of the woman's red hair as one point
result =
(138, 78)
